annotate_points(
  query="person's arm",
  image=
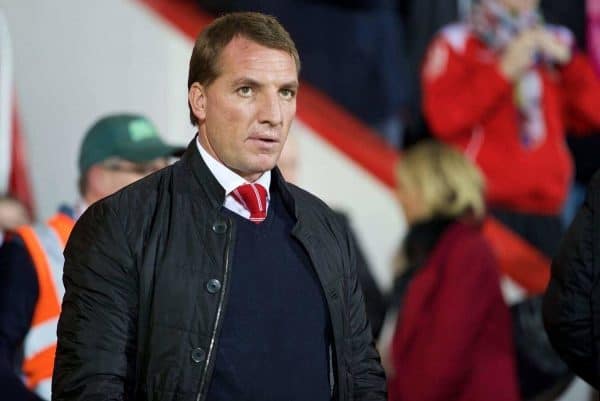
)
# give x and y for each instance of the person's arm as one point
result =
(18, 296)
(457, 97)
(369, 382)
(580, 85)
(570, 306)
(95, 358)
(581, 91)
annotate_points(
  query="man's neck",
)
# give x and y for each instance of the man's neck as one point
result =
(229, 179)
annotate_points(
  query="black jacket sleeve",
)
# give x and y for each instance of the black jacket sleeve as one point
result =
(95, 358)
(572, 300)
(18, 296)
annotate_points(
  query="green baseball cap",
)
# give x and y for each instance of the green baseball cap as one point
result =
(127, 136)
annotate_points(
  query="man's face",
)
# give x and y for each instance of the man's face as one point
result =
(520, 6)
(412, 202)
(245, 113)
(106, 178)
(12, 215)
(120, 173)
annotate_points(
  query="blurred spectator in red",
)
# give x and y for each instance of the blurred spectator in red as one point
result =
(453, 337)
(12, 215)
(503, 87)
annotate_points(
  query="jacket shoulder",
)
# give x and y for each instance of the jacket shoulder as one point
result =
(129, 205)
(312, 203)
(142, 197)
(142, 191)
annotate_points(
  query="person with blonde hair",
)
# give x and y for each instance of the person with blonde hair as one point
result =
(453, 333)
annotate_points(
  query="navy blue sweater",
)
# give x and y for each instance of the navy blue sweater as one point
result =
(274, 343)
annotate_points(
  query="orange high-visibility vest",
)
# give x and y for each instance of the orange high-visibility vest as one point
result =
(45, 244)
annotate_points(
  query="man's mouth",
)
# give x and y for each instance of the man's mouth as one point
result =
(264, 139)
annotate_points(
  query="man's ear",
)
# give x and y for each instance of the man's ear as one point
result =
(197, 100)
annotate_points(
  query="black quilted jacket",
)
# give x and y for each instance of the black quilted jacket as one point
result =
(146, 276)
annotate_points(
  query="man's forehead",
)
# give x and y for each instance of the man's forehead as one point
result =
(244, 55)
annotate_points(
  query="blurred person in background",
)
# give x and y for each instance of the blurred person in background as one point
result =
(12, 215)
(375, 303)
(453, 338)
(503, 87)
(116, 151)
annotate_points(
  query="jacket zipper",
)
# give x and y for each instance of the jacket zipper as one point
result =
(218, 317)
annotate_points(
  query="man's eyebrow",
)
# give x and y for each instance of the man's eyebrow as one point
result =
(291, 85)
(246, 81)
(254, 83)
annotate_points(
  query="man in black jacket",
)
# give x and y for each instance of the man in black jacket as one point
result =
(214, 279)
(572, 300)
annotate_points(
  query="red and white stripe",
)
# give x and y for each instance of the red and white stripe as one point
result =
(253, 199)
(238, 197)
(261, 205)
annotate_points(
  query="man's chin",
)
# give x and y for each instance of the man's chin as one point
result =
(260, 170)
(254, 172)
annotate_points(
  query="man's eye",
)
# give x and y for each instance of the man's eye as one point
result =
(245, 91)
(287, 93)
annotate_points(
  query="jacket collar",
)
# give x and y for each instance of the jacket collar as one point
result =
(215, 192)
(279, 184)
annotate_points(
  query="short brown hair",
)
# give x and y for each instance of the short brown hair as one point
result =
(260, 28)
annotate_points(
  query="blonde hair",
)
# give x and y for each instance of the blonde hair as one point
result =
(448, 183)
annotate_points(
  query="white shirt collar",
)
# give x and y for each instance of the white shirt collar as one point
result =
(228, 179)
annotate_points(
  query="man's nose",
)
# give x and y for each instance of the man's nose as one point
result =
(270, 109)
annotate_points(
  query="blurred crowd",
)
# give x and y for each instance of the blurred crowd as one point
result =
(494, 106)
